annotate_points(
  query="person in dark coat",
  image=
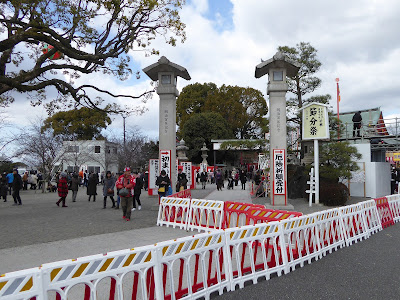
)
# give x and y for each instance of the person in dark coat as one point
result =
(62, 188)
(4, 186)
(163, 183)
(92, 186)
(137, 190)
(74, 186)
(243, 179)
(203, 179)
(108, 188)
(357, 123)
(17, 186)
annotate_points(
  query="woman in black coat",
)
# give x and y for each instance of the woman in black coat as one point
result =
(92, 186)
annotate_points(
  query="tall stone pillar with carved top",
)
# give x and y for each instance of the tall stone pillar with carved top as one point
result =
(277, 68)
(166, 73)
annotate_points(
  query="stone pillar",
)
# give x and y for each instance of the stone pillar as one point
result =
(166, 73)
(277, 69)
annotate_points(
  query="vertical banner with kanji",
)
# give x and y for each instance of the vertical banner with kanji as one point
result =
(279, 169)
(315, 122)
(154, 171)
(187, 169)
(165, 161)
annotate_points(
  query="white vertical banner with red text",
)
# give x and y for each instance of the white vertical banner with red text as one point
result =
(165, 161)
(279, 173)
(187, 169)
(154, 171)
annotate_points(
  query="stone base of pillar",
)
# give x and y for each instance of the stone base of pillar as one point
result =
(280, 207)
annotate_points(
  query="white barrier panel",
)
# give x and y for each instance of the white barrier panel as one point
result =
(301, 240)
(72, 279)
(255, 251)
(394, 204)
(353, 222)
(205, 215)
(23, 284)
(173, 212)
(194, 267)
(330, 230)
(371, 214)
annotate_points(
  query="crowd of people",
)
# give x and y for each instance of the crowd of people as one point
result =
(126, 187)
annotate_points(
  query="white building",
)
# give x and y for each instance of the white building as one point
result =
(92, 156)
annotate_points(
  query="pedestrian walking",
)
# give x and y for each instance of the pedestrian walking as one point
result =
(10, 177)
(243, 179)
(125, 184)
(203, 179)
(137, 191)
(25, 181)
(108, 189)
(4, 186)
(92, 186)
(16, 186)
(163, 183)
(75, 181)
(62, 188)
(218, 178)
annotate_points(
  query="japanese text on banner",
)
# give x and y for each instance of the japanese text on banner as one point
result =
(279, 172)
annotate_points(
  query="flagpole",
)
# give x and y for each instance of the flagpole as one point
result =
(337, 101)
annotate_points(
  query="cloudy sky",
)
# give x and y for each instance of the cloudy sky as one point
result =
(357, 41)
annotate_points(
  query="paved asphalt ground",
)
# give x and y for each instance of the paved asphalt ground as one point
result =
(39, 231)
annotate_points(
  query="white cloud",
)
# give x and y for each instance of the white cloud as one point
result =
(356, 41)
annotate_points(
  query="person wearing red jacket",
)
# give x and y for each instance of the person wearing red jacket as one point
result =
(127, 181)
(62, 189)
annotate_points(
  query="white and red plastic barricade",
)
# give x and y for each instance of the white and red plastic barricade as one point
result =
(354, 224)
(193, 267)
(257, 215)
(205, 215)
(394, 205)
(173, 212)
(385, 213)
(255, 251)
(196, 266)
(235, 213)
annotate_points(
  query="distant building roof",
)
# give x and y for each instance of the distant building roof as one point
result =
(369, 116)
(373, 123)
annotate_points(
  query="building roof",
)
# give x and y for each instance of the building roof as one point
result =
(369, 116)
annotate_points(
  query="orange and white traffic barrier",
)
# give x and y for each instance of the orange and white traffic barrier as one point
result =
(394, 205)
(235, 213)
(105, 274)
(205, 215)
(173, 212)
(354, 224)
(24, 284)
(257, 215)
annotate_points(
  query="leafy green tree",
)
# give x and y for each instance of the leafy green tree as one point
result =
(91, 36)
(244, 109)
(192, 100)
(78, 124)
(338, 160)
(202, 128)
